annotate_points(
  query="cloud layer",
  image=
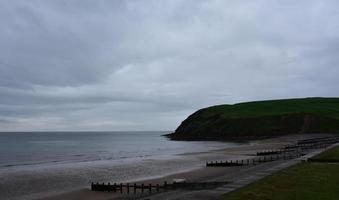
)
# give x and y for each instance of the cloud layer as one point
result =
(146, 65)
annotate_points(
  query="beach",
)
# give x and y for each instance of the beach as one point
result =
(72, 181)
(39, 165)
(200, 173)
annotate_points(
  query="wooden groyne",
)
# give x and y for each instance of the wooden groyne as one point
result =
(274, 152)
(227, 163)
(287, 152)
(317, 140)
(152, 188)
(295, 148)
(254, 161)
(128, 188)
(315, 145)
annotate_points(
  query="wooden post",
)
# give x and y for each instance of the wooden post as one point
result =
(157, 187)
(165, 185)
(135, 188)
(121, 188)
(127, 188)
(150, 188)
(115, 187)
(142, 188)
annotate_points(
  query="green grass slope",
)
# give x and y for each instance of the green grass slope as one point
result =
(304, 181)
(261, 119)
(330, 156)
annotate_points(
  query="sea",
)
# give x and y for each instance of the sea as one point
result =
(50, 162)
(43, 148)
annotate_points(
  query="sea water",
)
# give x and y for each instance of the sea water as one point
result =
(37, 148)
(37, 164)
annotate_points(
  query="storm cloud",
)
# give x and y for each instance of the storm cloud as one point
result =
(146, 65)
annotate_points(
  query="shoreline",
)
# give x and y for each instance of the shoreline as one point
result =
(198, 174)
(41, 181)
(72, 181)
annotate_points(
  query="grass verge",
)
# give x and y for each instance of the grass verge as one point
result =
(331, 155)
(304, 181)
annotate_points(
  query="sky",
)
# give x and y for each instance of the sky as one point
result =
(85, 65)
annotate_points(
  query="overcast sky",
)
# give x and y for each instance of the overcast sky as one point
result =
(147, 65)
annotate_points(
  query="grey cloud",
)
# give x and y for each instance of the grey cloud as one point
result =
(146, 65)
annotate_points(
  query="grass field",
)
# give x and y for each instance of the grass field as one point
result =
(305, 181)
(321, 106)
(331, 155)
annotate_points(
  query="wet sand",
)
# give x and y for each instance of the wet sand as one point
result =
(202, 173)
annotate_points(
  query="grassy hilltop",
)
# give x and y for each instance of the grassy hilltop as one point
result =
(261, 119)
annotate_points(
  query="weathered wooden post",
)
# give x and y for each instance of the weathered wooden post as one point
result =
(121, 188)
(150, 188)
(127, 188)
(165, 185)
(115, 187)
(157, 187)
(135, 188)
(142, 188)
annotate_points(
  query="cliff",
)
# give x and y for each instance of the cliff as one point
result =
(261, 119)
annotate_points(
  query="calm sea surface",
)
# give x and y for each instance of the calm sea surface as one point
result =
(48, 163)
(41, 148)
